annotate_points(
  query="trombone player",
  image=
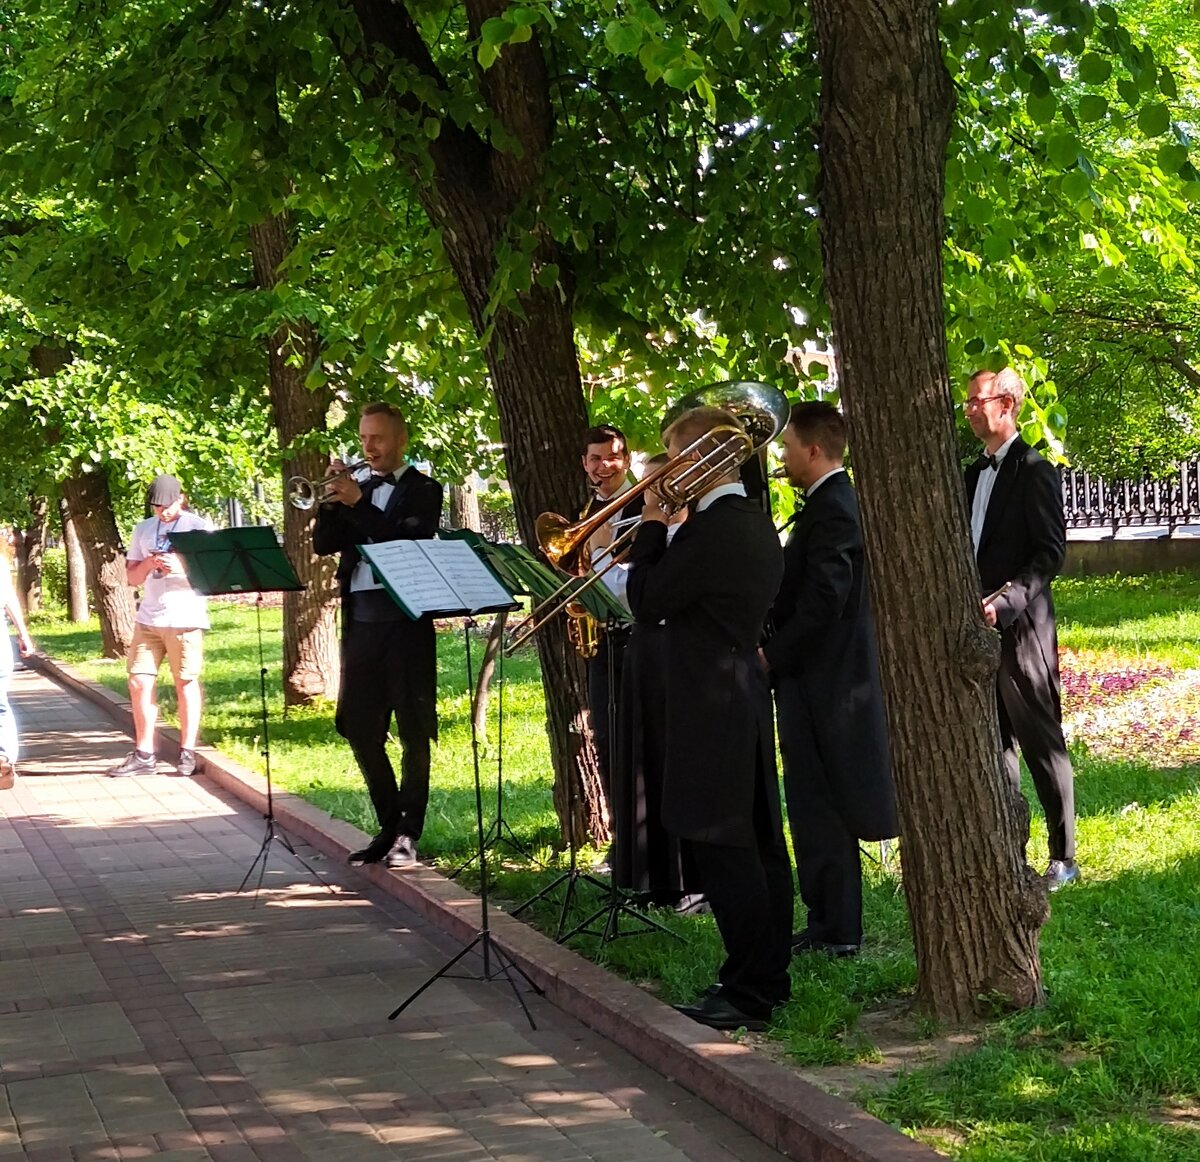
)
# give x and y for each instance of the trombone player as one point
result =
(389, 661)
(713, 587)
(606, 463)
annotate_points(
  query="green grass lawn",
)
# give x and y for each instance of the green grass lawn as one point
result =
(1107, 1071)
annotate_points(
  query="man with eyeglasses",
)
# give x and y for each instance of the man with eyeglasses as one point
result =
(171, 621)
(1020, 541)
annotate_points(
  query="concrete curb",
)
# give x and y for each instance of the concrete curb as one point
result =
(787, 1113)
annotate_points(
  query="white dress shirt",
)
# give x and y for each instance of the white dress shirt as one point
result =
(983, 492)
(363, 577)
(735, 489)
(821, 480)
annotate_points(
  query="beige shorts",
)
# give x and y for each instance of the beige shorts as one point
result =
(183, 649)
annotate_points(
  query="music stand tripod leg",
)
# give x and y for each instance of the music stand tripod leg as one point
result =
(272, 831)
(484, 935)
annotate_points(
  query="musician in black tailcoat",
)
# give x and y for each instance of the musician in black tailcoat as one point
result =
(389, 661)
(606, 462)
(824, 661)
(713, 587)
(1020, 541)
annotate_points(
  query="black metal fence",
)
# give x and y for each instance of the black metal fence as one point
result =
(1090, 502)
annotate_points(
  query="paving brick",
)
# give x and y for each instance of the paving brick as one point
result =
(151, 1011)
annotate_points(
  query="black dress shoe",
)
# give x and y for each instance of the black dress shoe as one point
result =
(803, 942)
(375, 852)
(403, 852)
(715, 1011)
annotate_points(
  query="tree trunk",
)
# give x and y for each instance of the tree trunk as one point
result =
(886, 106)
(77, 578)
(310, 641)
(473, 192)
(32, 550)
(90, 507)
(89, 504)
(464, 506)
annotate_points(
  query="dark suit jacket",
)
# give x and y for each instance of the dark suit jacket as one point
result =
(412, 513)
(713, 587)
(825, 659)
(1024, 541)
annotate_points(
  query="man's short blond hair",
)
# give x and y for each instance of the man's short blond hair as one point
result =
(1005, 382)
(690, 426)
(379, 408)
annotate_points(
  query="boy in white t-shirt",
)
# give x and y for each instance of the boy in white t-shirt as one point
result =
(171, 621)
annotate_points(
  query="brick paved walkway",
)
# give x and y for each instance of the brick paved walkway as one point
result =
(148, 1010)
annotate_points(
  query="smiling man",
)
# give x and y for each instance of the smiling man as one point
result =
(389, 661)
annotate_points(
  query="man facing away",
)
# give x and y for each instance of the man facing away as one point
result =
(713, 587)
(171, 621)
(823, 656)
(1020, 541)
(389, 661)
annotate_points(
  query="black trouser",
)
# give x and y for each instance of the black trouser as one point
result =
(1031, 717)
(750, 891)
(828, 866)
(374, 688)
(604, 696)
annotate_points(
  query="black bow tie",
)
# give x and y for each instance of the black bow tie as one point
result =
(368, 486)
(991, 462)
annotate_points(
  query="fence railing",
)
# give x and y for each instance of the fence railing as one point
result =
(1090, 502)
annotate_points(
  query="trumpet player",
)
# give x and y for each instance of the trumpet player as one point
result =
(389, 661)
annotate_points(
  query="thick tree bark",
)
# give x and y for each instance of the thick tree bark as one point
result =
(89, 503)
(77, 578)
(90, 507)
(886, 106)
(30, 553)
(473, 191)
(310, 641)
(464, 506)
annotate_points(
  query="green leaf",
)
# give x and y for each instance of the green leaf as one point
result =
(1094, 69)
(1062, 149)
(1172, 157)
(1093, 107)
(1129, 92)
(683, 77)
(1154, 120)
(496, 30)
(1046, 302)
(548, 275)
(1166, 84)
(431, 127)
(1076, 185)
(1041, 108)
(623, 37)
(487, 55)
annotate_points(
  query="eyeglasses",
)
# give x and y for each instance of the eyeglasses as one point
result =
(969, 405)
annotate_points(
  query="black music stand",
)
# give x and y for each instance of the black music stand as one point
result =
(504, 966)
(246, 560)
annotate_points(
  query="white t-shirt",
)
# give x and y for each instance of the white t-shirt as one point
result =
(168, 602)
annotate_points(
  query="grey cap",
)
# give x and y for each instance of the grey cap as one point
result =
(165, 490)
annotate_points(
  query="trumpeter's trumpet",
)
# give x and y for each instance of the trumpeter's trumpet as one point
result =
(303, 493)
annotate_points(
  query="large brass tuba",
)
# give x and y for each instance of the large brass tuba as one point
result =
(761, 411)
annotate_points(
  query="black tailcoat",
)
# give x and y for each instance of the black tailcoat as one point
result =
(823, 653)
(1024, 542)
(412, 513)
(713, 587)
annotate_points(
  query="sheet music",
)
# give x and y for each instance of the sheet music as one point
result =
(466, 575)
(436, 577)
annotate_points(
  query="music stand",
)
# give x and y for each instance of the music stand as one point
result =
(246, 560)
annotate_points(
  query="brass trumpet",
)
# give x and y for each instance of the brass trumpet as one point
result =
(303, 493)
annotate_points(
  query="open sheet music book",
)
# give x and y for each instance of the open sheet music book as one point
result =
(444, 578)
